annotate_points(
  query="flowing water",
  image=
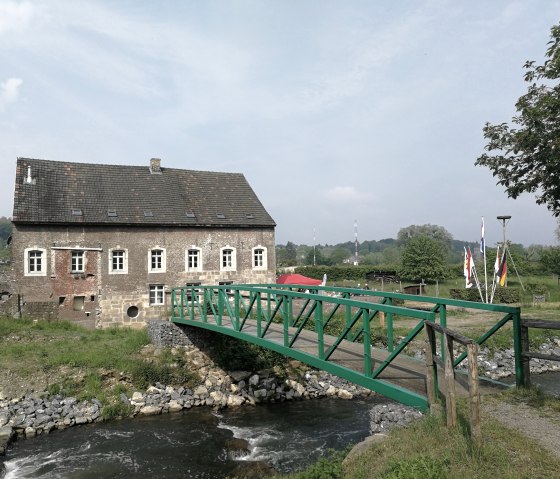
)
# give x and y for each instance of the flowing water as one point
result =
(199, 443)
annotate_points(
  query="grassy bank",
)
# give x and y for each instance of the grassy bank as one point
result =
(427, 449)
(69, 360)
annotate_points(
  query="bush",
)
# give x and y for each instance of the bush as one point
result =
(501, 295)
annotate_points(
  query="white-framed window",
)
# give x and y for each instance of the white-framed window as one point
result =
(193, 259)
(228, 260)
(157, 294)
(118, 261)
(259, 257)
(35, 261)
(156, 260)
(77, 261)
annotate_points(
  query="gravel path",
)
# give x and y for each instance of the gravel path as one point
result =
(541, 425)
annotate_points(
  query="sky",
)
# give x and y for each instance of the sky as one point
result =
(336, 112)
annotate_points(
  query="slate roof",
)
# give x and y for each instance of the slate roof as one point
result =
(84, 193)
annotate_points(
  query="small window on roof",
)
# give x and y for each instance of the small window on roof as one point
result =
(76, 212)
(111, 212)
(249, 216)
(148, 213)
(190, 214)
(220, 215)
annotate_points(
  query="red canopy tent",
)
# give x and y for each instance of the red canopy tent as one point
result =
(297, 279)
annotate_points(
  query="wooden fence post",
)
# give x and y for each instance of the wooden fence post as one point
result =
(431, 371)
(450, 404)
(474, 395)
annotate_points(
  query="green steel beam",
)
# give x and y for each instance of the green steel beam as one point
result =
(215, 301)
(384, 388)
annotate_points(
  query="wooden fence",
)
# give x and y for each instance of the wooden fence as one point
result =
(433, 361)
(526, 355)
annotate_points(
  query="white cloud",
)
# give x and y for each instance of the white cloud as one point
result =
(346, 194)
(9, 91)
(17, 16)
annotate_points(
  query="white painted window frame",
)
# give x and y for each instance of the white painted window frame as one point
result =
(163, 260)
(80, 259)
(43, 270)
(125, 260)
(155, 291)
(264, 258)
(198, 268)
(233, 265)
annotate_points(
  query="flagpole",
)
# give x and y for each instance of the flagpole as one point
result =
(475, 274)
(496, 268)
(483, 251)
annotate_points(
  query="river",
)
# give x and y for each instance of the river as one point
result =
(198, 443)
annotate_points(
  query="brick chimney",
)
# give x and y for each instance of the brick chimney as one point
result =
(155, 165)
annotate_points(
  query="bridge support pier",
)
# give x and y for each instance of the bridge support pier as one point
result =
(164, 333)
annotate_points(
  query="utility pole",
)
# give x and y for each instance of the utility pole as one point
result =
(356, 261)
(314, 260)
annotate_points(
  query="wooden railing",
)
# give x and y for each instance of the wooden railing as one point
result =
(447, 365)
(526, 355)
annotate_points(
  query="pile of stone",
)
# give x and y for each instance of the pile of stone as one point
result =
(383, 417)
(239, 388)
(496, 364)
(35, 414)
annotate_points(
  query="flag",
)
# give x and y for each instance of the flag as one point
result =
(501, 275)
(482, 247)
(467, 270)
(497, 262)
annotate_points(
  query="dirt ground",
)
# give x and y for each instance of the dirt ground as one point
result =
(542, 425)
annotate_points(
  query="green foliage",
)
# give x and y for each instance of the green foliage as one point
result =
(420, 467)
(329, 467)
(116, 409)
(550, 259)
(526, 158)
(423, 258)
(145, 374)
(536, 287)
(501, 295)
(286, 255)
(438, 233)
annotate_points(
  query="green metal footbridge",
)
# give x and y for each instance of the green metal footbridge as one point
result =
(355, 334)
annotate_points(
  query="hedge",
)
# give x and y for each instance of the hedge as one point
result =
(501, 295)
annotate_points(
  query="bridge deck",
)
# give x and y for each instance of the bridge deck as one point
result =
(403, 371)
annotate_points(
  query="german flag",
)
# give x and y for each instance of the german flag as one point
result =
(501, 274)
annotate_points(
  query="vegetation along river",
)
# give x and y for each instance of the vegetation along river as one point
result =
(198, 443)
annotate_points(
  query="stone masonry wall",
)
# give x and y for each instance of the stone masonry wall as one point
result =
(123, 298)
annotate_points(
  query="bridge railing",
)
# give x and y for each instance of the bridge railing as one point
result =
(440, 307)
(303, 307)
(296, 311)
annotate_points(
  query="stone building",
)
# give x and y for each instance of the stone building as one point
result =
(106, 243)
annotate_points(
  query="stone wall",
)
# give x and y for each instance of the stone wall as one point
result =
(123, 298)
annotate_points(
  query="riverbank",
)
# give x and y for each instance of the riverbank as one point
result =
(39, 413)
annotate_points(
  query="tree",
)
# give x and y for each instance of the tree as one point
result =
(286, 255)
(550, 259)
(527, 155)
(423, 258)
(431, 231)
